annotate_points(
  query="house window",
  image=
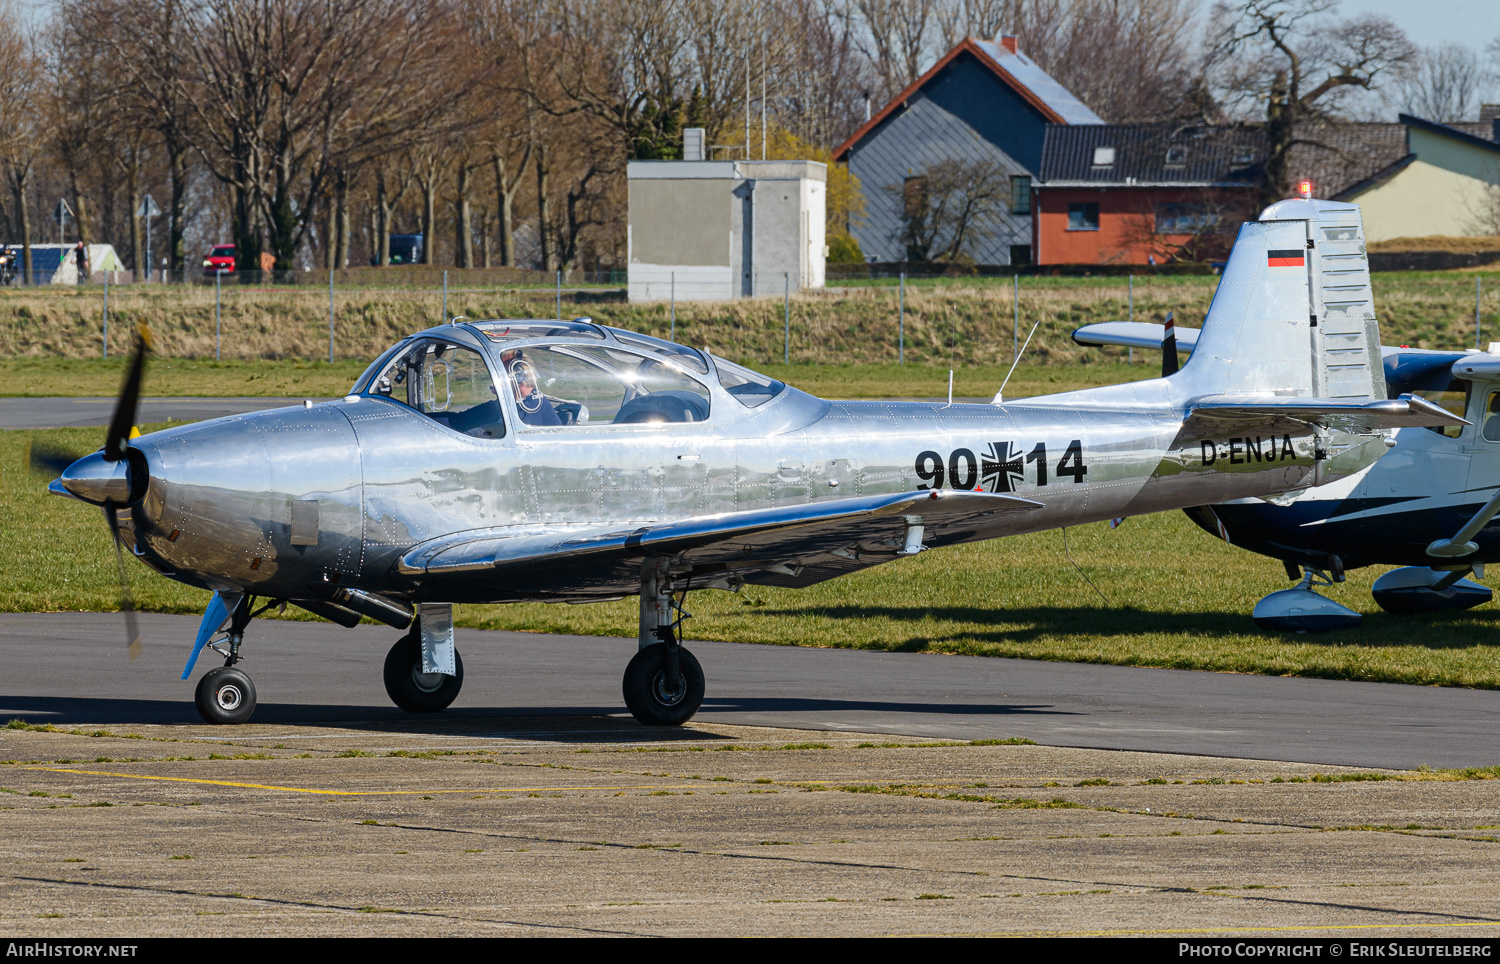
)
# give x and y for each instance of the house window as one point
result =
(1083, 216)
(1176, 156)
(1104, 157)
(1187, 219)
(1020, 194)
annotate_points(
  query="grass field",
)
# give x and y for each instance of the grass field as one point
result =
(962, 323)
(45, 376)
(1171, 596)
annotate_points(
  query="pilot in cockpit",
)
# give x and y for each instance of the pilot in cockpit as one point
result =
(535, 408)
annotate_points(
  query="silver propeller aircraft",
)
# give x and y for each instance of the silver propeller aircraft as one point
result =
(507, 461)
(1428, 506)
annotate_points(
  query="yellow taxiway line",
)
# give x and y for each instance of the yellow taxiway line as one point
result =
(351, 793)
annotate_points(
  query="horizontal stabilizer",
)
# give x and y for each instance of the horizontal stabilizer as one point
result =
(1208, 417)
(739, 540)
(1133, 334)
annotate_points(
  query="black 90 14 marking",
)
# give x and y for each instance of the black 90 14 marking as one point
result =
(1002, 467)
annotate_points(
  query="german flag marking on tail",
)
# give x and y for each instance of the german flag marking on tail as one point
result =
(1289, 258)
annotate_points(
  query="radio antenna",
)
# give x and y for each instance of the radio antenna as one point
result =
(1000, 395)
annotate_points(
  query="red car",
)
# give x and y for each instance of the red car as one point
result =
(219, 261)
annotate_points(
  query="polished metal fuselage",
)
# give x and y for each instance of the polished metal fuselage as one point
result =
(287, 502)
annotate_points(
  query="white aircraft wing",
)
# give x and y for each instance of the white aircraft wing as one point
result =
(790, 545)
(1133, 334)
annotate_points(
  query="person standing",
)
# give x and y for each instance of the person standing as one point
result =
(81, 260)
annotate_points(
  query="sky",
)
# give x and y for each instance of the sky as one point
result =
(1471, 22)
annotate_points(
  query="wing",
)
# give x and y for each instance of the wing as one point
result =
(1133, 334)
(1210, 417)
(791, 546)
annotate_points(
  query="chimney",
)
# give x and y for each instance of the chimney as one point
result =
(1008, 41)
(692, 144)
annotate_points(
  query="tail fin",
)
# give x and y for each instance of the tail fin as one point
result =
(1294, 314)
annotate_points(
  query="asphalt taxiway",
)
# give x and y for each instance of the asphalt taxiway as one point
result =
(90, 412)
(71, 668)
(596, 826)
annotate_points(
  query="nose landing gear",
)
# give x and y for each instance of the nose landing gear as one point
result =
(226, 694)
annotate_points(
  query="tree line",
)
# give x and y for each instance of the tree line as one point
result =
(311, 131)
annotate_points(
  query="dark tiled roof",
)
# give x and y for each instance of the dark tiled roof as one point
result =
(1483, 129)
(1337, 156)
(1152, 154)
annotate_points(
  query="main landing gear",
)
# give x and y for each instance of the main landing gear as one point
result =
(663, 683)
(410, 688)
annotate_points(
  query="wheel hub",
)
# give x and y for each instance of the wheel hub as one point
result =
(228, 697)
(668, 696)
(426, 682)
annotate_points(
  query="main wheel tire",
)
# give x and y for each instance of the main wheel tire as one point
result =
(225, 695)
(651, 698)
(413, 690)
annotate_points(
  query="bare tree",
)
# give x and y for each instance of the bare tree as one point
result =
(986, 19)
(146, 37)
(949, 206)
(1291, 55)
(1446, 84)
(23, 131)
(896, 39)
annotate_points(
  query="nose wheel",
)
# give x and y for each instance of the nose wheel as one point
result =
(225, 695)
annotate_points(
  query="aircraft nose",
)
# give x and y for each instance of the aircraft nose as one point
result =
(95, 480)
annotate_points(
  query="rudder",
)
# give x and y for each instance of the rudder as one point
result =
(1293, 314)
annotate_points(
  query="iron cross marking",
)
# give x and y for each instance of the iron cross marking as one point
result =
(1002, 467)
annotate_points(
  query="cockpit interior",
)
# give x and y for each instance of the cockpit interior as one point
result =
(556, 374)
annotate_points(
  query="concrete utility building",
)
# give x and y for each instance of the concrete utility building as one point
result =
(715, 230)
(984, 103)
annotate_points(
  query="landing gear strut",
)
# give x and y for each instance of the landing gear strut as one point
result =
(226, 694)
(663, 683)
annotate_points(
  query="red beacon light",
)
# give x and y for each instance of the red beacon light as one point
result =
(1304, 188)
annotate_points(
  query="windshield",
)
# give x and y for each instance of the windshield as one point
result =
(751, 389)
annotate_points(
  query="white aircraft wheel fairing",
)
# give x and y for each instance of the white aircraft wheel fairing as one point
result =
(1303, 611)
(1415, 589)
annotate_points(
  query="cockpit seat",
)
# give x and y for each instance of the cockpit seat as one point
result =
(663, 406)
(483, 420)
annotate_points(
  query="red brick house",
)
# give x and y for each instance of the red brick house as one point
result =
(1143, 194)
